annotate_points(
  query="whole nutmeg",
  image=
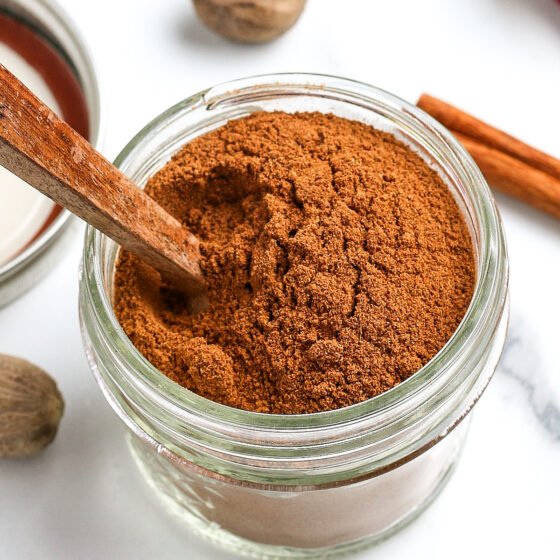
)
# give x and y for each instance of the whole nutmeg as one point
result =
(249, 21)
(30, 408)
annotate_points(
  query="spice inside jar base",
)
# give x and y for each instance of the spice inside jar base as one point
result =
(266, 521)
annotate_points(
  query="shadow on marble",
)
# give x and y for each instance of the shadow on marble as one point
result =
(548, 10)
(192, 31)
(536, 219)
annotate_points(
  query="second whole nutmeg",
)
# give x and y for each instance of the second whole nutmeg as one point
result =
(30, 408)
(249, 21)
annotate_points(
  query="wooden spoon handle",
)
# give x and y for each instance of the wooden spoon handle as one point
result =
(52, 157)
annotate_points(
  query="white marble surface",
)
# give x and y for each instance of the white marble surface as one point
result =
(499, 59)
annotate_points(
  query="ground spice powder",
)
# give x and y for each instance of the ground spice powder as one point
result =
(336, 259)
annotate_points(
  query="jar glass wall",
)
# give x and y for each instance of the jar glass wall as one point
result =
(302, 485)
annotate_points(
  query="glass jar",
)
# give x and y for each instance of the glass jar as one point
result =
(311, 485)
(49, 21)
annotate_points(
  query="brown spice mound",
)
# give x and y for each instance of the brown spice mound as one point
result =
(337, 264)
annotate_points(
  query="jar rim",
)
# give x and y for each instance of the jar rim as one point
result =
(489, 294)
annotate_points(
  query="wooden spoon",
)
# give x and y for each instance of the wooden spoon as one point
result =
(52, 157)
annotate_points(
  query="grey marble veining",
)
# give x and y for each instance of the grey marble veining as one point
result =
(521, 363)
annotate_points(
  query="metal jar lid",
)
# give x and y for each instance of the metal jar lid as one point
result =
(50, 22)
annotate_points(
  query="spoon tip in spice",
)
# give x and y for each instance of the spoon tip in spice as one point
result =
(41, 149)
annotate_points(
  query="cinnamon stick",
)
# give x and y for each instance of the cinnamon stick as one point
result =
(515, 177)
(508, 164)
(459, 121)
